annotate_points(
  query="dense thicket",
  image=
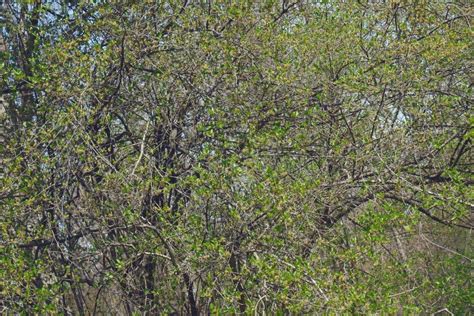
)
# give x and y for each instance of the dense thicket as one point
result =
(195, 157)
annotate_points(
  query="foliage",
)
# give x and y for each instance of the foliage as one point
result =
(236, 158)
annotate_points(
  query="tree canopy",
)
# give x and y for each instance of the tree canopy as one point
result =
(218, 157)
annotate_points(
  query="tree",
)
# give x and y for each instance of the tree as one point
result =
(196, 157)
